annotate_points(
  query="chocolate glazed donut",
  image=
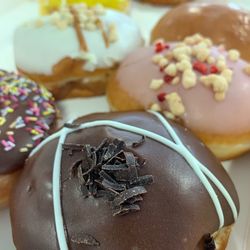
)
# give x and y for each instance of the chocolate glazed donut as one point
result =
(224, 24)
(154, 201)
(27, 116)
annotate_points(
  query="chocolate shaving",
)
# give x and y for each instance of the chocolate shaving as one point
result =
(130, 159)
(111, 185)
(139, 143)
(72, 148)
(142, 180)
(128, 194)
(126, 209)
(116, 167)
(110, 171)
(134, 199)
(85, 239)
(71, 125)
(209, 242)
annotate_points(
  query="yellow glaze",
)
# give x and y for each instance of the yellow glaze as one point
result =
(48, 6)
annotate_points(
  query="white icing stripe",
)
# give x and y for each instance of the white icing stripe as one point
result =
(56, 190)
(205, 170)
(200, 170)
(222, 189)
(48, 139)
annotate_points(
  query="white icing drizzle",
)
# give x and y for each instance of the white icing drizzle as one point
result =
(56, 190)
(200, 170)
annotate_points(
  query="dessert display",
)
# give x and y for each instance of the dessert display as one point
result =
(165, 1)
(27, 116)
(48, 6)
(74, 51)
(226, 24)
(204, 87)
(131, 180)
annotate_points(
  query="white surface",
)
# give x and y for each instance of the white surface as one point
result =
(146, 16)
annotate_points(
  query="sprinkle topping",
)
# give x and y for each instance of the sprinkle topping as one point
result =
(234, 55)
(88, 16)
(83, 19)
(191, 62)
(26, 110)
(175, 104)
(88, 19)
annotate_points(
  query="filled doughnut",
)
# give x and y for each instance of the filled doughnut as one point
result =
(27, 116)
(202, 86)
(226, 24)
(123, 181)
(73, 51)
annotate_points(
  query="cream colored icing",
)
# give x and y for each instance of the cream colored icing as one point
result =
(203, 112)
(38, 49)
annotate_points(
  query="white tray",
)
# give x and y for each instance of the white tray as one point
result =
(238, 169)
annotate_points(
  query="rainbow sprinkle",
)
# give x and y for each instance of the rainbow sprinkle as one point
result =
(30, 108)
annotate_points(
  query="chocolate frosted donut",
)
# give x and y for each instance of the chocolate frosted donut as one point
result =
(226, 24)
(123, 181)
(27, 113)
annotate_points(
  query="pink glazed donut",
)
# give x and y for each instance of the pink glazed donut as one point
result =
(200, 85)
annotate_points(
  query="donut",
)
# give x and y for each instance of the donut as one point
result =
(123, 180)
(225, 24)
(171, 2)
(202, 86)
(27, 115)
(49, 6)
(74, 51)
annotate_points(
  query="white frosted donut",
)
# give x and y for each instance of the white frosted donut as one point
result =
(38, 47)
(74, 51)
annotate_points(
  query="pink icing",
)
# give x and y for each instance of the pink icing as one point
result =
(203, 112)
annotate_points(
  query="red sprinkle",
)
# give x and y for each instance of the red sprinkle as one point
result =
(214, 69)
(200, 67)
(168, 78)
(11, 138)
(161, 96)
(160, 46)
(167, 46)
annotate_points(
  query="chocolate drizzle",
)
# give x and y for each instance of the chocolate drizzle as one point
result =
(104, 35)
(111, 171)
(209, 242)
(80, 36)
